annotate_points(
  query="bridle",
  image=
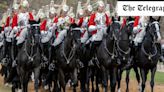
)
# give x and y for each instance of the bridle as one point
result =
(73, 48)
(150, 55)
(31, 55)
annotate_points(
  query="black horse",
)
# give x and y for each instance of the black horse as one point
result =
(87, 67)
(28, 58)
(107, 56)
(149, 53)
(123, 48)
(6, 57)
(66, 55)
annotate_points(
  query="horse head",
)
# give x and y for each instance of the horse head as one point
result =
(153, 29)
(123, 44)
(112, 37)
(149, 47)
(34, 32)
(114, 29)
(130, 25)
(75, 33)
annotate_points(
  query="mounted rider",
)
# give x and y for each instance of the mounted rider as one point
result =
(156, 20)
(21, 23)
(82, 22)
(98, 23)
(47, 29)
(140, 24)
(62, 23)
(5, 33)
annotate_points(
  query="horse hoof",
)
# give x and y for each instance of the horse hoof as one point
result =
(6, 84)
(97, 90)
(10, 85)
(119, 90)
(139, 88)
(46, 87)
(19, 90)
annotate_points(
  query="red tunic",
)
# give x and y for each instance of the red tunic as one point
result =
(7, 22)
(43, 25)
(92, 22)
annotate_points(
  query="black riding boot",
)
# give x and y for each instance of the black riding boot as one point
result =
(137, 50)
(5, 49)
(94, 46)
(43, 50)
(19, 46)
(92, 50)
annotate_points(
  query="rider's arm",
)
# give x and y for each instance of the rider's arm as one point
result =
(136, 25)
(92, 24)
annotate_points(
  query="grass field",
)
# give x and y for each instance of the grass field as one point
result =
(159, 77)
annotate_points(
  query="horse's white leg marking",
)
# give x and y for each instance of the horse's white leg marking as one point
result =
(119, 90)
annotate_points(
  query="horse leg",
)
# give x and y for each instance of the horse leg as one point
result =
(104, 78)
(56, 87)
(97, 80)
(119, 77)
(13, 87)
(127, 80)
(92, 78)
(75, 80)
(25, 86)
(21, 73)
(88, 75)
(61, 77)
(24, 81)
(19, 86)
(144, 78)
(137, 76)
(152, 78)
(82, 79)
(113, 76)
(36, 78)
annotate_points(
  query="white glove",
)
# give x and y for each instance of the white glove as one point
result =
(92, 28)
(101, 26)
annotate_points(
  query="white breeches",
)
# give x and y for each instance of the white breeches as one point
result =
(21, 38)
(139, 37)
(62, 34)
(7, 32)
(85, 37)
(1, 39)
(98, 36)
(45, 36)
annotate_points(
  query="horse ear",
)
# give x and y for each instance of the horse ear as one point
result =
(113, 18)
(150, 18)
(129, 18)
(119, 18)
(159, 18)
